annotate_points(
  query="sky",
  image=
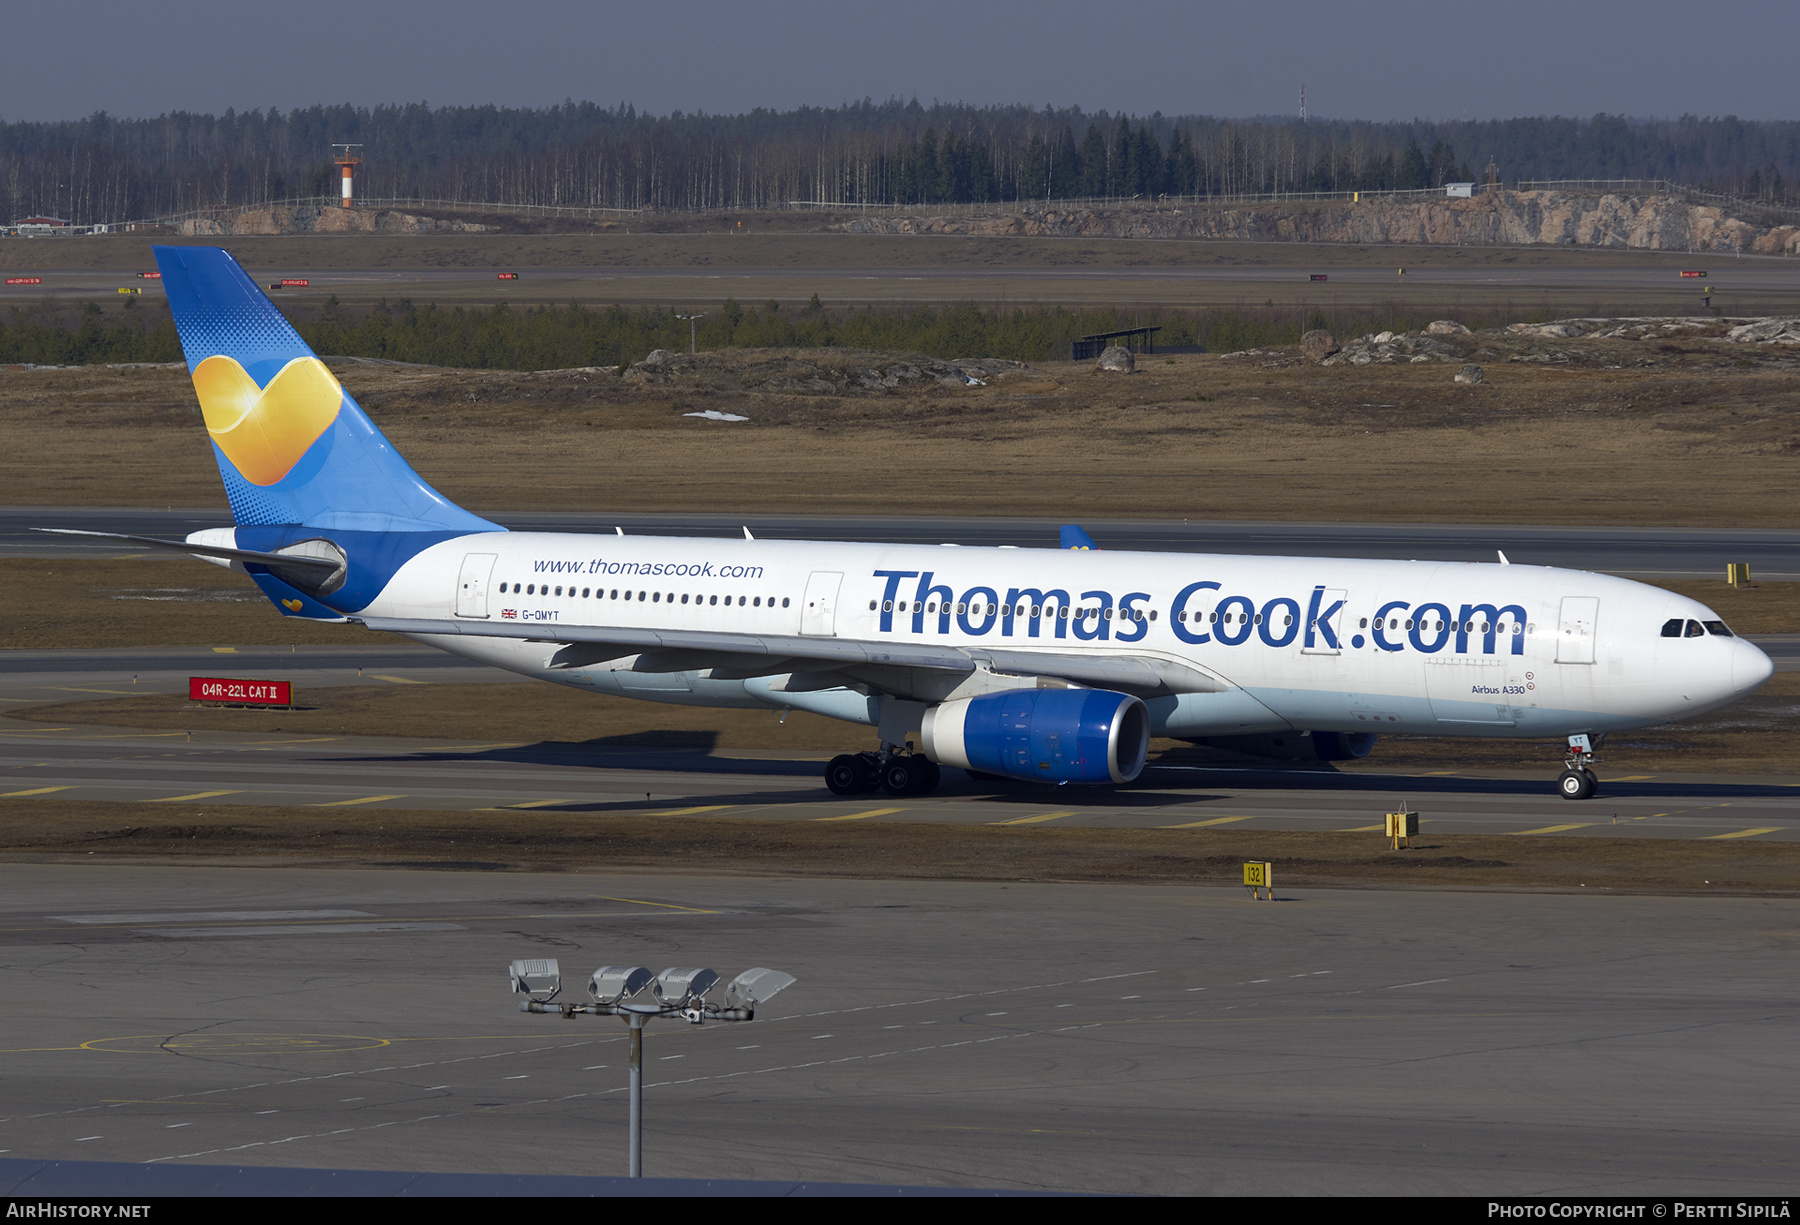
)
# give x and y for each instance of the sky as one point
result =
(1402, 59)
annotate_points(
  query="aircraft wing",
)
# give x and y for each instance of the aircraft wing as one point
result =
(669, 650)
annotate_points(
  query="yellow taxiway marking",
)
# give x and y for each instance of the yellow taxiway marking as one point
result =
(309, 740)
(538, 803)
(1747, 833)
(1628, 778)
(367, 799)
(198, 795)
(1047, 816)
(35, 791)
(1553, 829)
(1364, 829)
(1214, 821)
(858, 816)
(664, 905)
(398, 680)
(682, 812)
(81, 689)
(224, 650)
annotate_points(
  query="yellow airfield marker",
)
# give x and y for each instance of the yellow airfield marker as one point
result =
(862, 816)
(1048, 816)
(1214, 821)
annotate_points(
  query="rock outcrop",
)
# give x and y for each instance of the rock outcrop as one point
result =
(1317, 345)
(1118, 360)
(305, 219)
(1507, 218)
(816, 372)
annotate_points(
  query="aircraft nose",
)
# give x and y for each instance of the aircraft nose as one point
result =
(1749, 666)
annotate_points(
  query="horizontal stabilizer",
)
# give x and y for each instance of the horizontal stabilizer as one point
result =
(321, 567)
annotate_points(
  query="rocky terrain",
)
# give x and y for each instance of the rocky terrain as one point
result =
(1603, 344)
(816, 372)
(1507, 218)
(306, 219)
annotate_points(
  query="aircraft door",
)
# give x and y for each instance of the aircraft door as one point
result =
(818, 611)
(1575, 629)
(472, 584)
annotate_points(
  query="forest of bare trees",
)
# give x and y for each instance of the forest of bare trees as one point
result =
(105, 169)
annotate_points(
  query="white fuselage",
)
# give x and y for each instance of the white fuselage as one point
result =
(1292, 643)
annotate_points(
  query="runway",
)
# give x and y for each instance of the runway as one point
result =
(851, 270)
(1132, 1040)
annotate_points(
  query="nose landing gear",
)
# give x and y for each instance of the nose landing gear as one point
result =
(1578, 780)
(890, 771)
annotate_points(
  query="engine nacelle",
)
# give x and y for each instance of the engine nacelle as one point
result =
(1296, 746)
(1048, 735)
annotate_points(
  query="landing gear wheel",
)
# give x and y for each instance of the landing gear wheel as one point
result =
(899, 778)
(847, 774)
(1593, 781)
(1576, 784)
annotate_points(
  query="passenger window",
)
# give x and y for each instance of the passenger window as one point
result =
(784, 601)
(715, 599)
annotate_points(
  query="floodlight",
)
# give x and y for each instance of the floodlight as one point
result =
(757, 986)
(538, 977)
(677, 987)
(613, 984)
(680, 992)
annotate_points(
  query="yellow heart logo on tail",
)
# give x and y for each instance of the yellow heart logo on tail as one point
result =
(292, 605)
(264, 431)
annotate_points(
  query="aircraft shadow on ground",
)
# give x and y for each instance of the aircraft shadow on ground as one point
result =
(1157, 787)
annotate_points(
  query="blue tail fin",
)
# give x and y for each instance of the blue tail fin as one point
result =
(293, 446)
(1074, 538)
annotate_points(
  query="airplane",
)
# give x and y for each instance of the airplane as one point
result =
(1040, 665)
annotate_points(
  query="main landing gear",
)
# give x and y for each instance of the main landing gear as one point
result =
(891, 771)
(1578, 780)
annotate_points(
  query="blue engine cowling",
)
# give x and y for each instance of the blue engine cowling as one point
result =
(1048, 735)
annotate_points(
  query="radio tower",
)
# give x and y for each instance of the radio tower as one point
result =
(349, 157)
(1302, 102)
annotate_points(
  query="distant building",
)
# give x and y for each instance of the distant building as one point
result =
(37, 225)
(1459, 190)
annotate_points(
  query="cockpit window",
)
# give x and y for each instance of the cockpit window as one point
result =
(1694, 630)
(1718, 630)
(1672, 628)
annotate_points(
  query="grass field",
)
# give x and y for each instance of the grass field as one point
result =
(1667, 433)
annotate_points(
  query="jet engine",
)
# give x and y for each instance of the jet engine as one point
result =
(1042, 735)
